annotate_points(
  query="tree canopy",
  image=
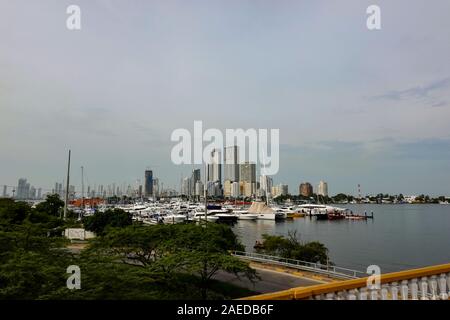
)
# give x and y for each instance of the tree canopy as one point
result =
(124, 261)
(292, 248)
(100, 221)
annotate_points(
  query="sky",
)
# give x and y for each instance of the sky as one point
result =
(353, 106)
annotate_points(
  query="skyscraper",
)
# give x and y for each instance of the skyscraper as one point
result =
(199, 189)
(231, 163)
(193, 181)
(322, 189)
(266, 183)
(235, 190)
(148, 183)
(280, 190)
(32, 193)
(247, 174)
(305, 189)
(156, 187)
(4, 191)
(186, 186)
(22, 192)
(215, 167)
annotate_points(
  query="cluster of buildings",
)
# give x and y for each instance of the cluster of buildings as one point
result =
(225, 178)
(239, 179)
(24, 191)
(305, 189)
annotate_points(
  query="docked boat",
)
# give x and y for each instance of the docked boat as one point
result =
(271, 216)
(174, 218)
(335, 216)
(225, 217)
(199, 215)
(244, 215)
(265, 212)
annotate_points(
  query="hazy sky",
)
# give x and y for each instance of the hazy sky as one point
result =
(352, 105)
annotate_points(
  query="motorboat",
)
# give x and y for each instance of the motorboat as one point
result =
(244, 215)
(271, 216)
(174, 218)
(225, 217)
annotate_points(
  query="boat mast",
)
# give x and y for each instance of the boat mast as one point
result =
(82, 188)
(67, 189)
(206, 192)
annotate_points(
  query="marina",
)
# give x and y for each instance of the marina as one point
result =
(355, 234)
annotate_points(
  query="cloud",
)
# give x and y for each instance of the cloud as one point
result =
(418, 92)
(440, 104)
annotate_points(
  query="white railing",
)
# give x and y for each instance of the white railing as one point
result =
(331, 270)
(436, 287)
(429, 283)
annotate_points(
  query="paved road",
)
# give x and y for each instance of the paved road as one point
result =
(270, 281)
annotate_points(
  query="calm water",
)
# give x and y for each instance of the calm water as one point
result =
(399, 237)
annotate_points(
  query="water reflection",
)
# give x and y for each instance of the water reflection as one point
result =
(399, 237)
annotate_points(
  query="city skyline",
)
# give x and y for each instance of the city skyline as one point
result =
(353, 106)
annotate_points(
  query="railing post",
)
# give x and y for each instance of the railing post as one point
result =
(404, 290)
(442, 287)
(384, 292)
(414, 289)
(394, 291)
(423, 288)
(351, 295)
(433, 287)
(363, 294)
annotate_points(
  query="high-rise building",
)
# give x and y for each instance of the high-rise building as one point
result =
(5, 188)
(59, 189)
(22, 192)
(280, 190)
(39, 193)
(71, 192)
(322, 189)
(235, 190)
(227, 188)
(156, 187)
(249, 189)
(215, 167)
(231, 163)
(186, 186)
(247, 172)
(148, 183)
(32, 193)
(305, 189)
(266, 184)
(214, 189)
(199, 189)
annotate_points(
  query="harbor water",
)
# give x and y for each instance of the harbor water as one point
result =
(399, 237)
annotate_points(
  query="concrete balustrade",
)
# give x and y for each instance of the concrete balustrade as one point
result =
(430, 283)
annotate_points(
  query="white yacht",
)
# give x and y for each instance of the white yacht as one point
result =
(199, 214)
(244, 215)
(271, 215)
(174, 218)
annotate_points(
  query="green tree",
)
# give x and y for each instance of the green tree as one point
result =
(174, 251)
(100, 221)
(292, 248)
(52, 205)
